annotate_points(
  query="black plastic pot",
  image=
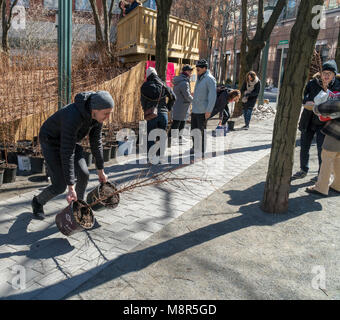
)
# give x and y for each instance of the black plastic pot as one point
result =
(107, 154)
(37, 164)
(231, 125)
(95, 194)
(114, 148)
(12, 157)
(67, 223)
(10, 172)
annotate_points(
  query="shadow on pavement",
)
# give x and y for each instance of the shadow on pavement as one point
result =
(138, 260)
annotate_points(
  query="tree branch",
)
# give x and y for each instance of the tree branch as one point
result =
(268, 28)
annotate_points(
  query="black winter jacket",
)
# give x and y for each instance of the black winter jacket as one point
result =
(69, 126)
(132, 6)
(153, 89)
(221, 103)
(308, 120)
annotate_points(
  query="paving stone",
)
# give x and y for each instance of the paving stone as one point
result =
(116, 227)
(128, 244)
(141, 213)
(142, 235)
(122, 234)
(51, 278)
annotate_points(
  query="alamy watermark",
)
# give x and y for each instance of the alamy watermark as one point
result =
(184, 147)
(319, 21)
(319, 280)
(19, 280)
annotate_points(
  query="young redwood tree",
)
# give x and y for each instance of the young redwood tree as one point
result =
(301, 46)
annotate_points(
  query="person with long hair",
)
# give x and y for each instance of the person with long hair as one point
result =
(250, 91)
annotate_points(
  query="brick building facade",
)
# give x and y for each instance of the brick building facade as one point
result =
(279, 41)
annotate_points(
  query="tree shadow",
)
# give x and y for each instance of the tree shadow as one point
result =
(251, 215)
(18, 235)
(56, 247)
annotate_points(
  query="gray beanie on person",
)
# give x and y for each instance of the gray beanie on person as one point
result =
(101, 100)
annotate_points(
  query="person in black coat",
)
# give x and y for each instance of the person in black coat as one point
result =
(224, 97)
(60, 136)
(133, 4)
(154, 92)
(310, 124)
(250, 91)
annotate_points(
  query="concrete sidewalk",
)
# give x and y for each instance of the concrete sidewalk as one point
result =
(225, 247)
(205, 240)
(54, 265)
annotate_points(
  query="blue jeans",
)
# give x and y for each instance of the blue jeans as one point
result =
(247, 115)
(161, 122)
(306, 142)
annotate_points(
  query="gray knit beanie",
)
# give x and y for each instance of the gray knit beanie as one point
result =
(101, 100)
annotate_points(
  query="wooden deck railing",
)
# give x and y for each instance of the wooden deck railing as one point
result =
(136, 35)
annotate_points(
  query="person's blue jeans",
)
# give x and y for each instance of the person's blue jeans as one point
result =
(247, 115)
(306, 142)
(160, 122)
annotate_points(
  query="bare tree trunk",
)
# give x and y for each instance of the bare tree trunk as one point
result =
(209, 36)
(6, 23)
(234, 49)
(302, 43)
(223, 43)
(162, 36)
(243, 58)
(96, 17)
(257, 43)
(106, 27)
(337, 53)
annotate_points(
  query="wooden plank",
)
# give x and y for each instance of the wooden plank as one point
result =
(137, 35)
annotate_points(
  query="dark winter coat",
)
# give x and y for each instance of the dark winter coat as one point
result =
(183, 97)
(221, 103)
(132, 6)
(67, 127)
(309, 120)
(155, 89)
(252, 96)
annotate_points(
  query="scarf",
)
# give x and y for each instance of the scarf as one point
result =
(250, 88)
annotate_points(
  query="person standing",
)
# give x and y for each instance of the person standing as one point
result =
(154, 94)
(250, 91)
(60, 136)
(329, 111)
(310, 124)
(203, 103)
(183, 100)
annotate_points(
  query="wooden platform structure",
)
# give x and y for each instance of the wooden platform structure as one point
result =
(136, 37)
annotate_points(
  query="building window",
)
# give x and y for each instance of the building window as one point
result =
(25, 3)
(291, 9)
(83, 5)
(51, 4)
